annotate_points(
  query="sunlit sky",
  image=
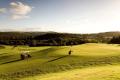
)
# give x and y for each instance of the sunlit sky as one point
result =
(72, 16)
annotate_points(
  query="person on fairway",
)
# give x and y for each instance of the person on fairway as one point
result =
(69, 52)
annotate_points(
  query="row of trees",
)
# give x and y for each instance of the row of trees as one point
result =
(115, 40)
(55, 39)
(43, 42)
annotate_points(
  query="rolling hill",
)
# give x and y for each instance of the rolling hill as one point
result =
(53, 62)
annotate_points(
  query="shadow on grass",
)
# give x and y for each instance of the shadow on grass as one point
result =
(63, 63)
(11, 61)
(4, 56)
(14, 47)
(57, 58)
(45, 52)
(57, 64)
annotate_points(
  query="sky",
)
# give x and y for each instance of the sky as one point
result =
(71, 16)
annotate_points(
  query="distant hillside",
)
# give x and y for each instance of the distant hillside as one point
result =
(53, 38)
(104, 37)
(19, 35)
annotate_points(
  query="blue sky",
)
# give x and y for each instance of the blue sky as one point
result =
(73, 16)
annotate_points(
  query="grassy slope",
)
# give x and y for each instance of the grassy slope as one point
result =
(108, 72)
(86, 58)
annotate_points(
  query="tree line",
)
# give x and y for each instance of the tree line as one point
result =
(55, 39)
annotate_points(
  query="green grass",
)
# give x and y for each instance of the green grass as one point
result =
(87, 62)
(108, 72)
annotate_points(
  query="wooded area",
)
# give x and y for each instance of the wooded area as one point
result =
(56, 39)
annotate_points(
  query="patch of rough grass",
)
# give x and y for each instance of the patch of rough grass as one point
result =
(108, 72)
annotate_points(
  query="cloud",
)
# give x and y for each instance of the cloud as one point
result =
(19, 10)
(2, 10)
(15, 17)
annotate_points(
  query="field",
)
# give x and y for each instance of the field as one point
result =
(87, 62)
